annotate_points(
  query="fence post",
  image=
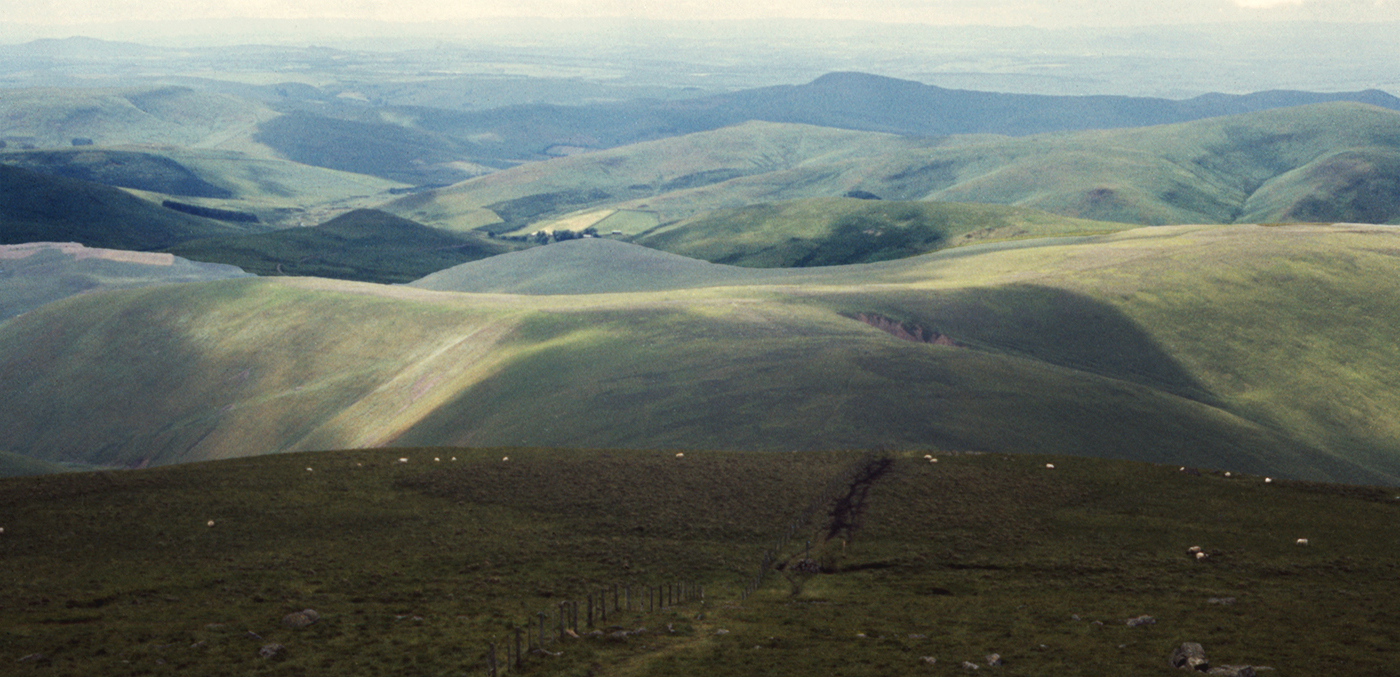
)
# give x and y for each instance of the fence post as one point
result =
(519, 661)
(590, 609)
(491, 661)
(603, 605)
(615, 598)
(627, 591)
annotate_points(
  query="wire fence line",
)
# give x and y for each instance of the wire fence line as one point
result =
(804, 517)
(571, 619)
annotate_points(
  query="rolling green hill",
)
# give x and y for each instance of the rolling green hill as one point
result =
(42, 208)
(278, 192)
(34, 274)
(417, 560)
(53, 117)
(841, 231)
(1332, 162)
(1253, 349)
(365, 244)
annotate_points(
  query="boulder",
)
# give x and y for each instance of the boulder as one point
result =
(272, 651)
(300, 619)
(1140, 621)
(1190, 656)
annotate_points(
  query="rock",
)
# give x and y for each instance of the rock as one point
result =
(1190, 656)
(994, 660)
(721, 631)
(969, 665)
(272, 651)
(1227, 601)
(1140, 621)
(300, 619)
(930, 660)
(31, 658)
(1232, 671)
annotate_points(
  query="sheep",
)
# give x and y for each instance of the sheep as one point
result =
(505, 458)
(310, 470)
(1195, 549)
(1302, 541)
(1200, 556)
(1050, 466)
(436, 460)
(1268, 480)
(211, 524)
(403, 460)
(680, 455)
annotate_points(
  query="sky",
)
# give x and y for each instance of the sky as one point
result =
(1047, 13)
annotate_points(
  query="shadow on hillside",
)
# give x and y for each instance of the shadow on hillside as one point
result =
(1050, 325)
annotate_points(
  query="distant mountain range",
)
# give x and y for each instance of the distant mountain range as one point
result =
(855, 101)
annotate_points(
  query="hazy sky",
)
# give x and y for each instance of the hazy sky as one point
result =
(990, 12)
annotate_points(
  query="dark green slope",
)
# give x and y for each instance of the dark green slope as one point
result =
(38, 207)
(123, 169)
(364, 245)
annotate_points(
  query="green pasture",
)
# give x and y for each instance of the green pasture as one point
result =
(416, 565)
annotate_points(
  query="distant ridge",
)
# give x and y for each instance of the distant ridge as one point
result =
(589, 266)
(38, 207)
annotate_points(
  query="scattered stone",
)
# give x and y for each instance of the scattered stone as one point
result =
(272, 651)
(807, 566)
(969, 665)
(930, 660)
(1075, 617)
(994, 660)
(860, 635)
(917, 636)
(1190, 656)
(1098, 623)
(1232, 671)
(31, 658)
(721, 631)
(570, 632)
(1226, 601)
(300, 619)
(1140, 621)
(253, 635)
(198, 644)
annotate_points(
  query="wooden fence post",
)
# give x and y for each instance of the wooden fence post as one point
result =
(603, 604)
(518, 658)
(491, 661)
(590, 609)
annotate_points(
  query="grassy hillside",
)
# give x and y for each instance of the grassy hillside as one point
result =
(365, 244)
(1330, 162)
(414, 567)
(43, 208)
(53, 117)
(34, 274)
(279, 192)
(841, 231)
(1250, 349)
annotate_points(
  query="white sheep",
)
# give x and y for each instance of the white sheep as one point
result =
(1195, 549)
(310, 470)
(1268, 480)
(928, 457)
(505, 458)
(437, 460)
(403, 460)
(1302, 541)
(680, 455)
(1050, 466)
(211, 523)
(1200, 556)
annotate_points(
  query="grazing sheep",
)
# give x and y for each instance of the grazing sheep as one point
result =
(1194, 549)
(680, 455)
(1050, 466)
(436, 460)
(211, 523)
(1200, 556)
(403, 460)
(505, 458)
(1268, 480)
(1302, 541)
(310, 470)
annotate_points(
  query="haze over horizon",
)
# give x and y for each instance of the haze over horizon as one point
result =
(1038, 13)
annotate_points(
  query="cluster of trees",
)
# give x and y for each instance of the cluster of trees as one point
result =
(545, 236)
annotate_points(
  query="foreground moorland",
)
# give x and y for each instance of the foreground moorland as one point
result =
(1244, 348)
(416, 560)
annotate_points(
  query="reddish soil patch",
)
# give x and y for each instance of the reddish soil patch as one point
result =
(907, 332)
